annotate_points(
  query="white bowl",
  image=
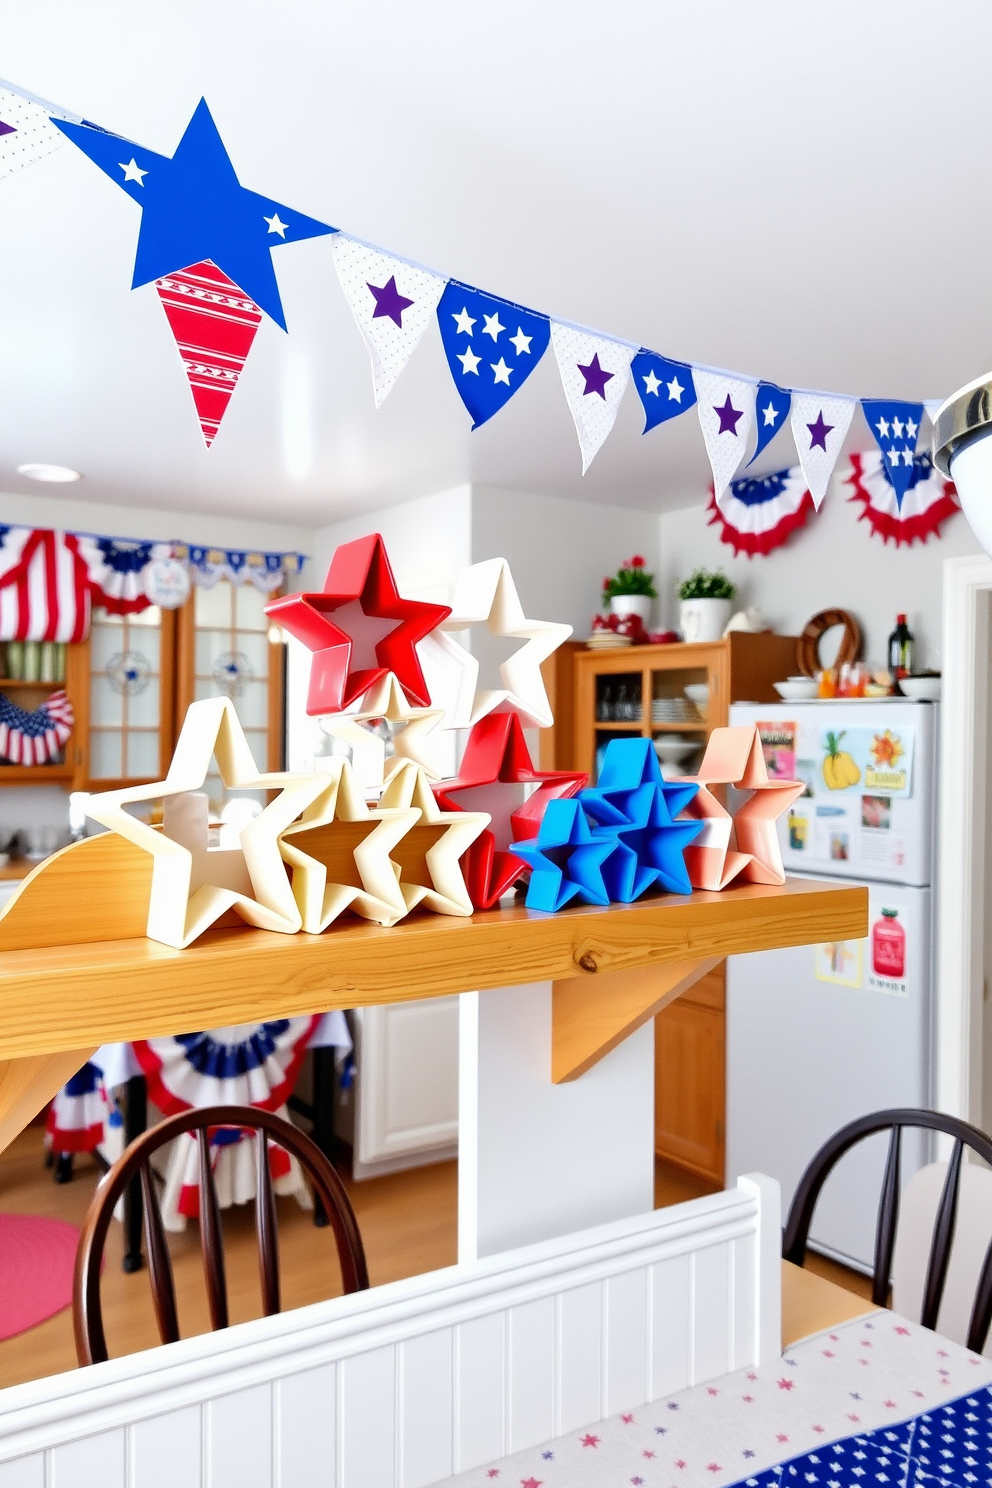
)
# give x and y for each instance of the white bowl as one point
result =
(926, 689)
(797, 690)
(698, 693)
(674, 749)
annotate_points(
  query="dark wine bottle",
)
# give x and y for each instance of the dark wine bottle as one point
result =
(901, 649)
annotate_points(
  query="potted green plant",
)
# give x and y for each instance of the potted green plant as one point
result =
(705, 604)
(631, 589)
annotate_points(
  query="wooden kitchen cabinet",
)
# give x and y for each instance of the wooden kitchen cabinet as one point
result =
(690, 1077)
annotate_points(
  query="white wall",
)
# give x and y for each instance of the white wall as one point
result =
(428, 541)
(833, 561)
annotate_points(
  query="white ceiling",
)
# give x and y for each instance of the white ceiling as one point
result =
(796, 191)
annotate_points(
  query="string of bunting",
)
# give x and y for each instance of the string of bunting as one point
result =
(49, 581)
(216, 280)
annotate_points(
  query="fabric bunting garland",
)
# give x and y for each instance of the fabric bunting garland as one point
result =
(594, 372)
(756, 516)
(772, 405)
(34, 738)
(44, 586)
(726, 413)
(212, 267)
(928, 501)
(489, 357)
(819, 427)
(393, 304)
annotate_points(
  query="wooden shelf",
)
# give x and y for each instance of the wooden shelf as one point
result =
(680, 728)
(6, 683)
(80, 996)
(31, 774)
(621, 726)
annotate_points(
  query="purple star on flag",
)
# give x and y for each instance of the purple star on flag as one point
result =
(595, 376)
(389, 301)
(728, 416)
(818, 433)
(7, 128)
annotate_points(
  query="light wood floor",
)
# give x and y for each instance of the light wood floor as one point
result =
(408, 1224)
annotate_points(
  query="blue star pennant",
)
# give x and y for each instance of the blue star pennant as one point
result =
(629, 764)
(771, 411)
(193, 207)
(665, 388)
(895, 426)
(492, 346)
(565, 859)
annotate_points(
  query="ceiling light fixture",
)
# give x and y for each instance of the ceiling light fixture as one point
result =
(59, 473)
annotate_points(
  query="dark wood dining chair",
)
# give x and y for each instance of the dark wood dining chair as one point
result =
(134, 1162)
(796, 1233)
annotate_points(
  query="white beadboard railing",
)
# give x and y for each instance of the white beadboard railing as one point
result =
(407, 1383)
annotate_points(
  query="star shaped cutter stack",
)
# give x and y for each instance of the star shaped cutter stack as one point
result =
(410, 729)
(350, 655)
(193, 886)
(485, 594)
(339, 854)
(496, 757)
(566, 859)
(744, 843)
(429, 855)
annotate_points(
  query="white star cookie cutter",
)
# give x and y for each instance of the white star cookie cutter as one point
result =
(192, 886)
(339, 852)
(368, 750)
(428, 856)
(486, 594)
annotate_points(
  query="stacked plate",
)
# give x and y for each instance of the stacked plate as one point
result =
(673, 710)
(607, 640)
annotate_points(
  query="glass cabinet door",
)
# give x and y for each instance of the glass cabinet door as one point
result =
(130, 698)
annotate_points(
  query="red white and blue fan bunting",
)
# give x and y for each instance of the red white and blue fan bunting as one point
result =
(34, 738)
(116, 570)
(928, 501)
(756, 516)
(82, 1118)
(247, 1064)
(44, 586)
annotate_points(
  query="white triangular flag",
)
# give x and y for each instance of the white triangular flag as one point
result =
(819, 428)
(26, 131)
(932, 405)
(392, 302)
(594, 374)
(726, 413)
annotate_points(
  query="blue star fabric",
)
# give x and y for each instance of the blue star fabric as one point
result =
(492, 346)
(771, 413)
(565, 859)
(665, 388)
(895, 427)
(193, 207)
(629, 764)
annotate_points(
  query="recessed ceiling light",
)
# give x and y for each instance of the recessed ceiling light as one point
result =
(49, 472)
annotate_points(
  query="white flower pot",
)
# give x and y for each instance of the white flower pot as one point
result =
(632, 604)
(704, 619)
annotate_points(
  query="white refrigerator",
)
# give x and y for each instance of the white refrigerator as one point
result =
(818, 1035)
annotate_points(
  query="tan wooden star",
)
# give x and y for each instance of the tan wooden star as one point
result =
(193, 885)
(339, 852)
(428, 856)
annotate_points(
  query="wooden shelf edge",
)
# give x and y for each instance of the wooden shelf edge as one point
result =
(78, 995)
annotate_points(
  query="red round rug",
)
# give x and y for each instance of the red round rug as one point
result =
(36, 1261)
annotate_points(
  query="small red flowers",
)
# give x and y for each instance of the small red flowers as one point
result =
(637, 561)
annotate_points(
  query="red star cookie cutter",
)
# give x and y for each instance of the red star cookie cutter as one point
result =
(496, 754)
(359, 572)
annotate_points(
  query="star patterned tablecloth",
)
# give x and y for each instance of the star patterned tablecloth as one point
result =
(877, 1401)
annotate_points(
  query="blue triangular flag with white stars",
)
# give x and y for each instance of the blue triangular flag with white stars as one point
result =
(492, 346)
(771, 413)
(665, 388)
(193, 208)
(895, 426)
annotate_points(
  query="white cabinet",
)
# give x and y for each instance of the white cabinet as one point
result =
(407, 1085)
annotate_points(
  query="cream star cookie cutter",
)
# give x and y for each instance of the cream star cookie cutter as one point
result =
(368, 750)
(184, 902)
(368, 881)
(485, 594)
(448, 834)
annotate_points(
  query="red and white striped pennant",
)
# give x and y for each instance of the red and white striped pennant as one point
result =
(214, 323)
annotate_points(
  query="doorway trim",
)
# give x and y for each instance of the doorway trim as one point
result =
(960, 951)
